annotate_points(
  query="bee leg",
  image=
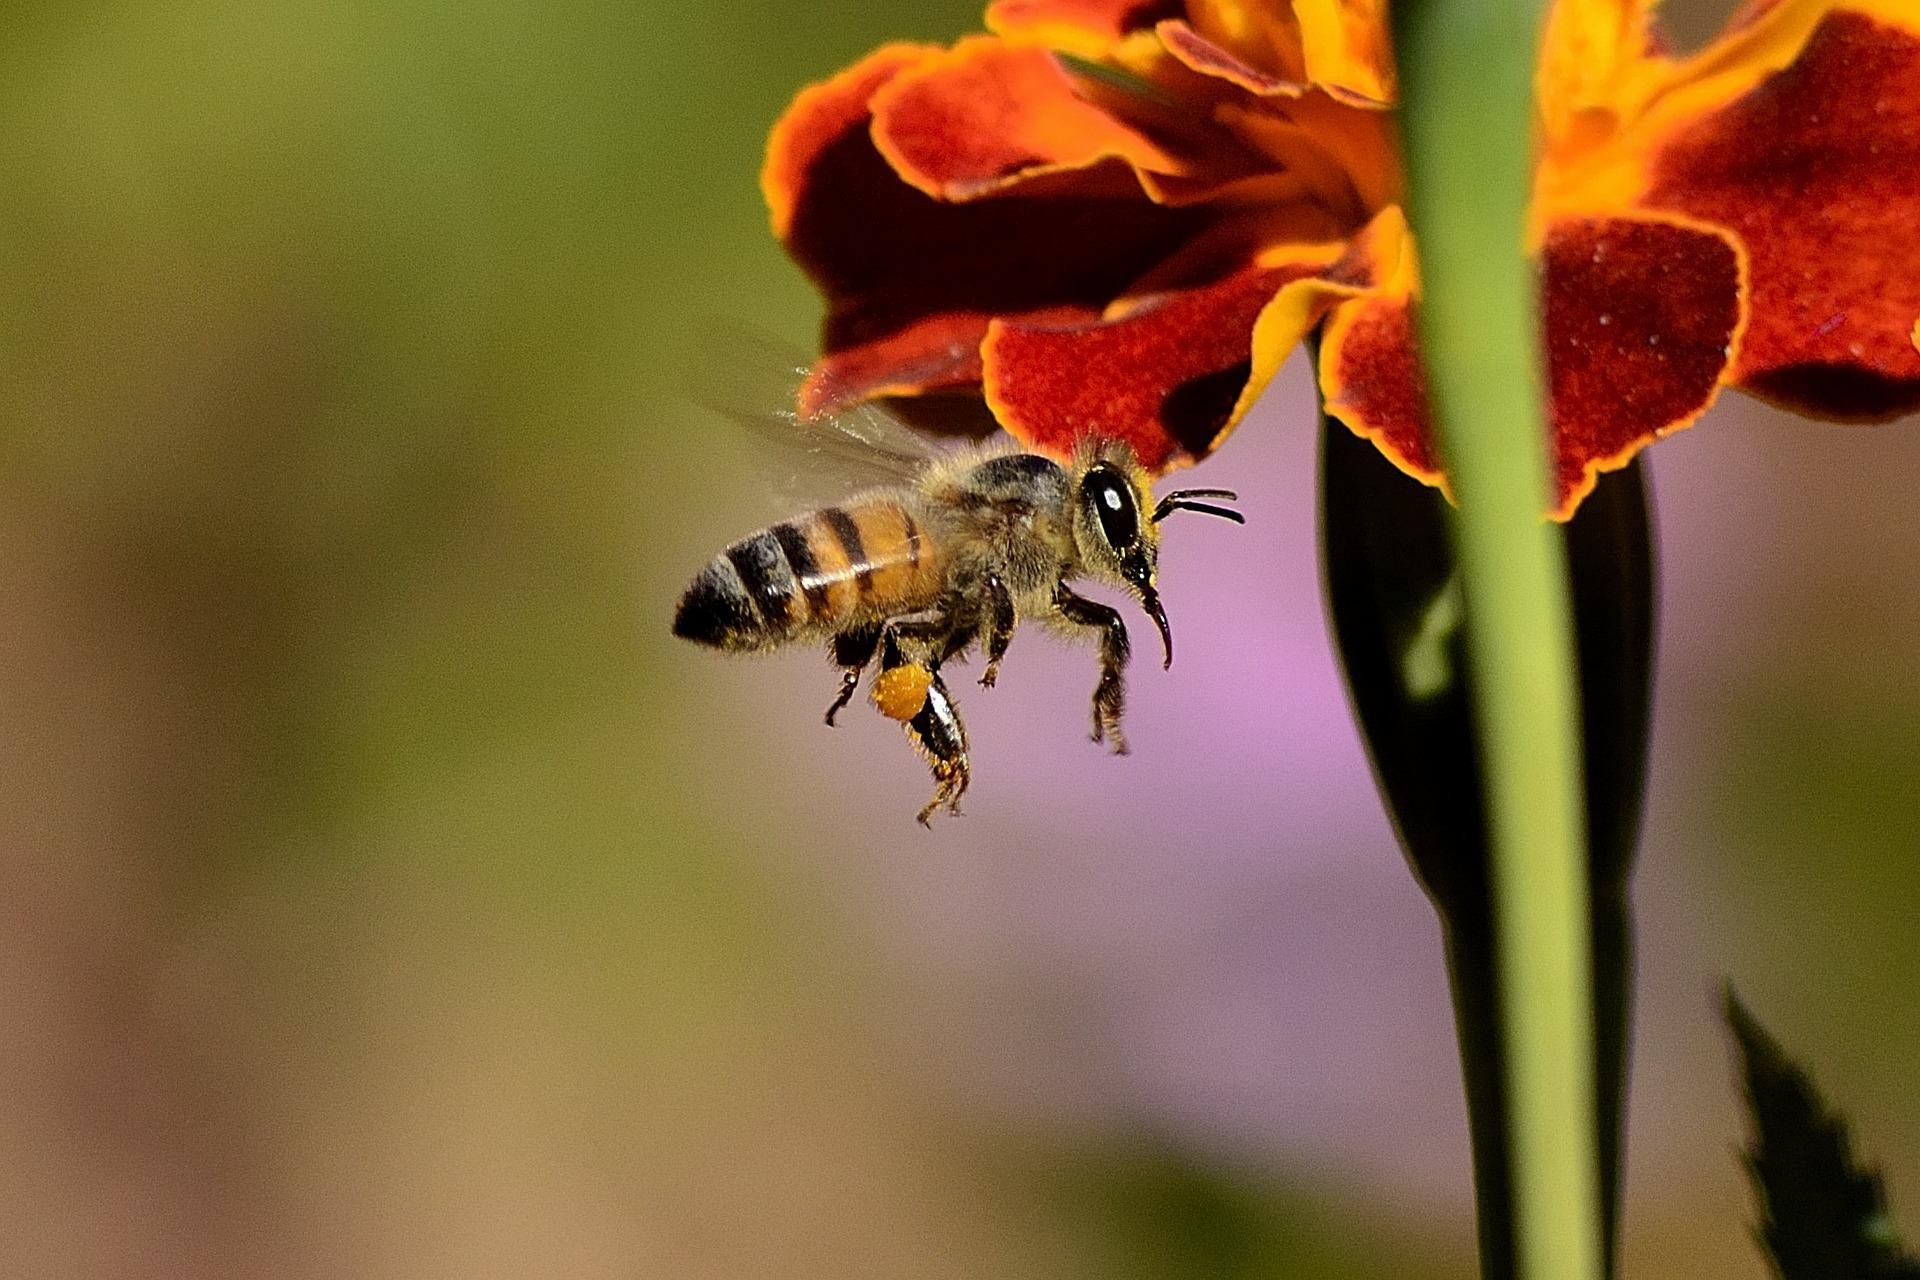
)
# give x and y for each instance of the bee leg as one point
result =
(852, 650)
(998, 627)
(934, 625)
(911, 691)
(937, 731)
(1110, 695)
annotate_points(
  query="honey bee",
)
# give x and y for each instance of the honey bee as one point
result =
(959, 550)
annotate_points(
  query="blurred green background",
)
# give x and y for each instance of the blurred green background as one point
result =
(386, 895)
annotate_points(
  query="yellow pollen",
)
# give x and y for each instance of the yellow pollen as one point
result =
(901, 692)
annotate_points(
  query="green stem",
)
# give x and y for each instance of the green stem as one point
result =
(1466, 71)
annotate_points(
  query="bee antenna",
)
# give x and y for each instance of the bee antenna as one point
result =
(1182, 500)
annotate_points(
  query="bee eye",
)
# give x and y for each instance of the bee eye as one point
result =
(1113, 505)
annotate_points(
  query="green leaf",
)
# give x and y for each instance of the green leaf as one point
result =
(1822, 1216)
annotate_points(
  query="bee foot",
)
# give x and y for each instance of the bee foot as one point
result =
(951, 779)
(848, 683)
(934, 806)
(990, 675)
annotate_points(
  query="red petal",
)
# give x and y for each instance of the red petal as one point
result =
(938, 353)
(1165, 377)
(912, 282)
(1816, 171)
(1370, 379)
(1641, 319)
(966, 123)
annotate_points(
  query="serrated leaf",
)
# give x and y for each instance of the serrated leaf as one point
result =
(1822, 1216)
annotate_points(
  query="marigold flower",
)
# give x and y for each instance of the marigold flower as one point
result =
(1119, 216)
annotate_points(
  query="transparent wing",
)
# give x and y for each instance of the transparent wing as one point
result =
(815, 459)
(867, 439)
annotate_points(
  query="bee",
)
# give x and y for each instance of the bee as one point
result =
(956, 552)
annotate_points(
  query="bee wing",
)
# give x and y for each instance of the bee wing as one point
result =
(868, 443)
(813, 459)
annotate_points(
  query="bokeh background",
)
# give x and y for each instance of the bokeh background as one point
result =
(384, 894)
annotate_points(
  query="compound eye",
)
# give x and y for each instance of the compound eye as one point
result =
(1112, 500)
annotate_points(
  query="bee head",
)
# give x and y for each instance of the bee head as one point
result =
(1118, 539)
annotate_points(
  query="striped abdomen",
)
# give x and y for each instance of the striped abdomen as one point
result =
(812, 576)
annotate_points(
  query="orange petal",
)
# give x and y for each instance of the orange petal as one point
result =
(1347, 158)
(1815, 171)
(1371, 379)
(1166, 377)
(1263, 34)
(820, 115)
(1198, 53)
(1584, 49)
(1604, 132)
(1339, 46)
(1663, 93)
(912, 282)
(990, 113)
(1344, 46)
(1084, 27)
(1379, 259)
(1641, 316)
